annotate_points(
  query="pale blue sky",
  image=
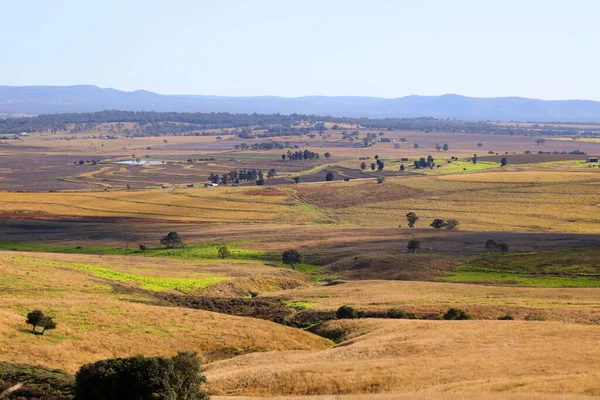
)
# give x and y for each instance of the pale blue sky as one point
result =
(543, 49)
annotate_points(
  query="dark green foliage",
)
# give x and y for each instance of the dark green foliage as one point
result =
(363, 165)
(503, 248)
(143, 247)
(297, 179)
(413, 246)
(291, 257)
(412, 219)
(503, 162)
(491, 245)
(396, 314)
(373, 166)
(452, 224)
(329, 177)
(327, 155)
(346, 312)
(47, 323)
(172, 240)
(224, 252)
(402, 168)
(260, 182)
(445, 147)
(142, 378)
(35, 318)
(38, 383)
(456, 314)
(438, 223)
(506, 317)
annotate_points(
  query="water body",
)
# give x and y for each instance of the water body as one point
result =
(141, 162)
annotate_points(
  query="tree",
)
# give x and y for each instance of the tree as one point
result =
(296, 179)
(503, 247)
(142, 378)
(479, 144)
(327, 155)
(380, 165)
(47, 324)
(412, 218)
(438, 223)
(503, 162)
(143, 247)
(346, 312)
(35, 318)
(452, 224)
(491, 245)
(373, 166)
(363, 165)
(402, 168)
(172, 240)
(456, 314)
(224, 252)
(329, 177)
(291, 257)
(540, 141)
(271, 174)
(416, 145)
(260, 182)
(413, 246)
(445, 147)
(376, 157)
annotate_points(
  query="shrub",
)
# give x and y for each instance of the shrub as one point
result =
(396, 313)
(346, 312)
(413, 246)
(506, 317)
(142, 378)
(329, 177)
(172, 240)
(224, 252)
(456, 314)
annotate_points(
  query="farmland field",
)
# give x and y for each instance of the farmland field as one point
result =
(83, 220)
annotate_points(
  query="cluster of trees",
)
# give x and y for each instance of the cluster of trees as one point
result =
(425, 163)
(439, 147)
(378, 165)
(451, 224)
(243, 175)
(301, 155)
(270, 125)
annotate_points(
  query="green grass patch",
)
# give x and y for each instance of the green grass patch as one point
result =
(153, 283)
(563, 268)
(299, 305)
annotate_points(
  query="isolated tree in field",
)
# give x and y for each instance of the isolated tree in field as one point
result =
(540, 141)
(363, 165)
(327, 155)
(291, 257)
(445, 147)
(503, 162)
(224, 252)
(491, 245)
(35, 318)
(479, 144)
(260, 182)
(346, 312)
(503, 248)
(373, 166)
(376, 157)
(412, 219)
(452, 224)
(143, 247)
(416, 145)
(438, 223)
(271, 174)
(329, 177)
(172, 240)
(296, 179)
(283, 157)
(474, 159)
(402, 168)
(380, 165)
(143, 378)
(413, 246)
(47, 324)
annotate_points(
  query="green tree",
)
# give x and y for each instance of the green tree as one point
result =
(363, 165)
(438, 223)
(503, 162)
(373, 166)
(224, 252)
(445, 147)
(329, 177)
(35, 318)
(503, 248)
(291, 257)
(413, 246)
(412, 219)
(172, 240)
(346, 312)
(142, 378)
(491, 245)
(271, 174)
(452, 224)
(47, 324)
(327, 155)
(296, 179)
(402, 167)
(456, 314)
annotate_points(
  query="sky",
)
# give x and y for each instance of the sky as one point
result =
(541, 49)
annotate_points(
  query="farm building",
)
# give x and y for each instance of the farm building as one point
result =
(592, 160)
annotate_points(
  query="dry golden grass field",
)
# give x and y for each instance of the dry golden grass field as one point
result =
(70, 237)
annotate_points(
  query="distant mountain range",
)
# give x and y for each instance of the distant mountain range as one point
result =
(86, 98)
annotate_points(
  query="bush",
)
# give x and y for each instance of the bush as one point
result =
(456, 314)
(142, 378)
(413, 246)
(396, 313)
(346, 312)
(506, 317)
